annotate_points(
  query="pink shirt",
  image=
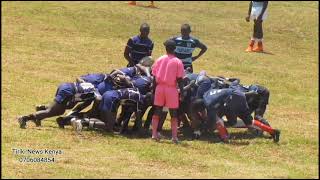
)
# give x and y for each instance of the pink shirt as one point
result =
(167, 69)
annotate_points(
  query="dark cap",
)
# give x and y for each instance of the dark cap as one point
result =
(170, 43)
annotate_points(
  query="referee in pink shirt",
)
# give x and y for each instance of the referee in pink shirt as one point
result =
(168, 72)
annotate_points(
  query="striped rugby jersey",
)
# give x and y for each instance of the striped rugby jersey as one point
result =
(185, 48)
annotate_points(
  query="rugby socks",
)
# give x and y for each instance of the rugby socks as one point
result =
(174, 128)
(223, 133)
(262, 126)
(155, 122)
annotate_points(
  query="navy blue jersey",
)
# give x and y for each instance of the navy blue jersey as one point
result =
(140, 48)
(237, 107)
(217, 97)
(192, 76)
(104, 87)
(129, 71)
(239, 87)
(65, 93)
(84, 92)
(94, 79)
(130, 94)
(203, 86)
(111, 99)
(143, 83)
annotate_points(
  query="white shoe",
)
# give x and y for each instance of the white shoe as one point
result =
(77, 125)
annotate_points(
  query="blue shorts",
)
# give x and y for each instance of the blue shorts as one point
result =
(65, 92)
(109, 102)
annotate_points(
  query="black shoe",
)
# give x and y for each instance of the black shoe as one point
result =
(37, 122)
(22, 120)
(60, 122)
(41, 107)
(276, 135)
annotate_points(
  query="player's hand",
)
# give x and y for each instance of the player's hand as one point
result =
(248, 18)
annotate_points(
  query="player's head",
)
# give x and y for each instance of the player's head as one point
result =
(185, 30)
(170, 46)
(146, 61)
(144, 30)
(197, 105)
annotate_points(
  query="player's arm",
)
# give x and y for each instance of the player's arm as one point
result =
(189, 86)
(203, 48)
(180, 84)
(116, 72)
(265, 5)
(127, 51)
(143, 69)
(150, 50)
(249, 12)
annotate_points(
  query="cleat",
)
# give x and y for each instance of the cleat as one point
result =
(77, 125)
(259, 48)
(196, 134)
(60, 122)
(22, 122)
(41, 107)
(276, 135)
(249, 49)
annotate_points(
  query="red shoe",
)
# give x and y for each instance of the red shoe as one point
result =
(259, 48)
(132, 3)
(250, 47)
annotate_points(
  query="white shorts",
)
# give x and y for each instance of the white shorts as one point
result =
(256, 11)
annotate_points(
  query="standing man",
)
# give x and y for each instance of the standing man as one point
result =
(186, 44)
(138, 46)
(168, 71)
(257, 12)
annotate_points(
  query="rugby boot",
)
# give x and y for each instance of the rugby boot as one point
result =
(77, 125)
(22, 120)
(41, 107)
(60, 122)
(250, 47)
(259, 48)
(276, 135)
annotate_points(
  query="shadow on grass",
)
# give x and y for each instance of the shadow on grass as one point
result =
(236, 138)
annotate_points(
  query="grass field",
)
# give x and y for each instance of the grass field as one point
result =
(46, 43)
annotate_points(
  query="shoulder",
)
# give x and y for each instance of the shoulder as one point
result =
(192, 38)
(135, 38)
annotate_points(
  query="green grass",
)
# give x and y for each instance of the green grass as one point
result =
(47, 43)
